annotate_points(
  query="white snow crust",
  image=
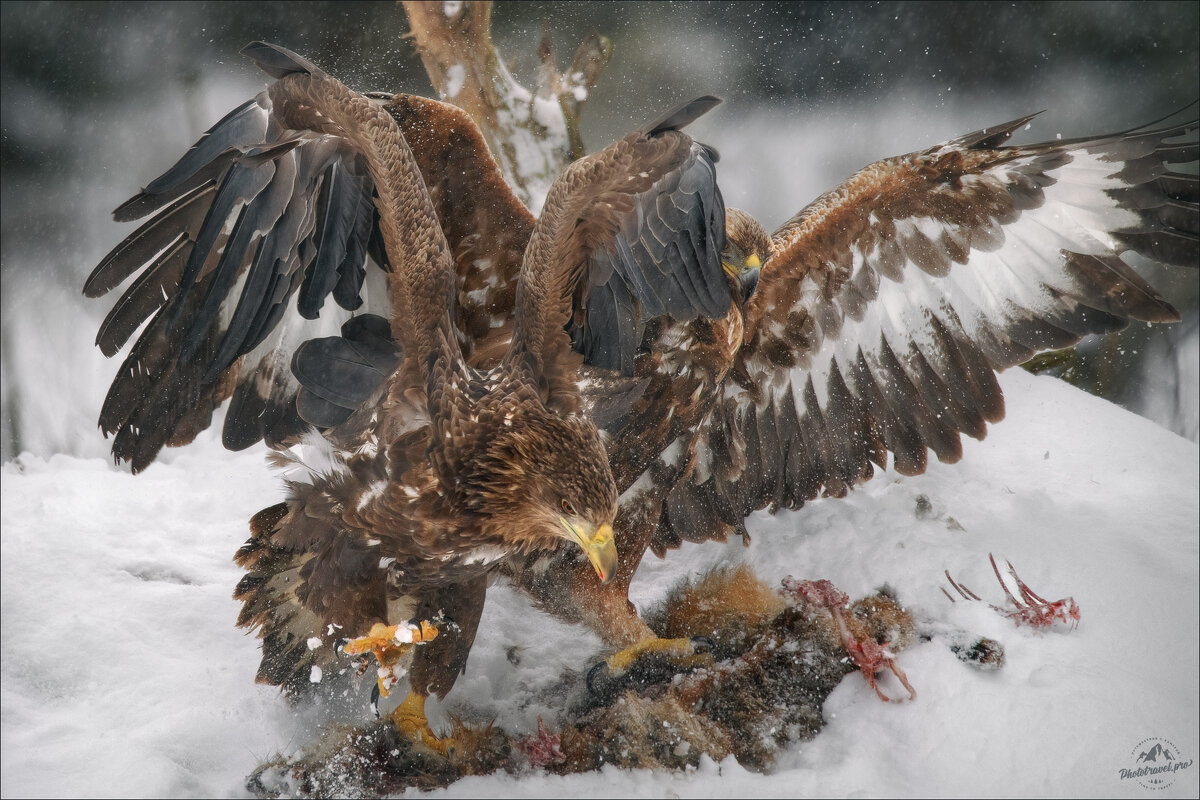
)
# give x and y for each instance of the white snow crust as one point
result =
(123, 674)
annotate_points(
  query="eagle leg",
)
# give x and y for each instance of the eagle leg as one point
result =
(389, 643)
(684, 652)
(409, 717)
(650, 661)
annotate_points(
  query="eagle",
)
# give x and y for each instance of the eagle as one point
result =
(728, 369)
(435, 463)
(873, 335)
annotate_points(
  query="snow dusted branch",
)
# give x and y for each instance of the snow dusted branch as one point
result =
(532, 134)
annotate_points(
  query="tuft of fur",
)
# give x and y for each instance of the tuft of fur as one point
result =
(772, 694)
(970, 648)
(728, 604)
(883, 619)
(637, 732)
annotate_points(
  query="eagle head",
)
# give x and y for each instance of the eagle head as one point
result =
(542, 478)
(747, 247)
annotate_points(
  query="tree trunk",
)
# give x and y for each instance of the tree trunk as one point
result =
(532, 134)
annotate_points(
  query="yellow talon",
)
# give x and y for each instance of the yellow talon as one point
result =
(681, 652)
(409, 717)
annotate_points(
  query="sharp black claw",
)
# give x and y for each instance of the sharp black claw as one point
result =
(375, 699)
(648, 669)
(339, 646)
(594, 676)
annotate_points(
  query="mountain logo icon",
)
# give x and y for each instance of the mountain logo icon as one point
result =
(1154, 754)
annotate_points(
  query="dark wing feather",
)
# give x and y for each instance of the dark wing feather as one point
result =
(888, 304)
(681, 116)
(279, 62)
(205, 161)
(341, 212)
(183, 218)
(175, 396)
(254, 213)
(338, 373)
(259, 195)
(157, 282)
(665, 258)
(351, 271)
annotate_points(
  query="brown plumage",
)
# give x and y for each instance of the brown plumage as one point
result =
(454, 470)
(432, 469)
(888, 304)
(883, 311)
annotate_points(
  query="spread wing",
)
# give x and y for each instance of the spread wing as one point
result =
(253, 229)
(599, 209)
(309, 564)
(889, 303)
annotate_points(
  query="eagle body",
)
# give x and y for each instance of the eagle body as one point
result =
(373, 535)
(882, 312)
(451, 434)
(681, 366)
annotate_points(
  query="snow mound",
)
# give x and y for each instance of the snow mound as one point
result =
(123, 674)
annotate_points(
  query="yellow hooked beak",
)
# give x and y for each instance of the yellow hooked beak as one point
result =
(733, 270)
(600, 547)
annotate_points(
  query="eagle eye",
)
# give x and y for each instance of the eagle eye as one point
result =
(567, 507)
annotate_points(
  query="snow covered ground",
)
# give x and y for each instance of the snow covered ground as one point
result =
(123, 674)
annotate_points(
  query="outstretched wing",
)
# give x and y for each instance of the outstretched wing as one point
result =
(255, 228)
(251, 217)
(888, 304)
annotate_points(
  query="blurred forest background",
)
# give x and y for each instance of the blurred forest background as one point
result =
(99, 98)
